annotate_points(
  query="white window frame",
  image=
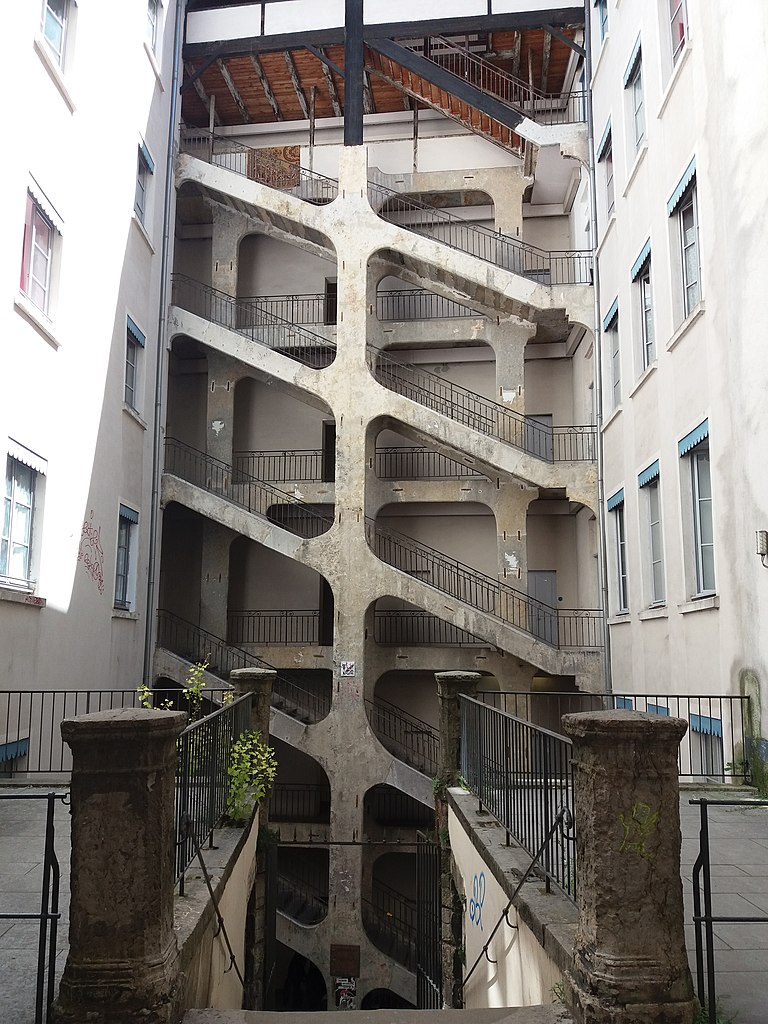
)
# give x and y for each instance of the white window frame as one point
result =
(614, 353)
(153, 23)
(645, 302)
(125, 559)
(620, 540)
(602, 18)
(675, 8)
(58, 54)
(14, 531)
(656, 579)
(637, 104)
(691, 285)
(705, 577)
(132, 356)
(36, 224)
(610, 191)
(141, 199)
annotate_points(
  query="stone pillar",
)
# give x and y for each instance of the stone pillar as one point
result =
(449, 686)
(122, 964)
(214, 582)
(259, 682)
(629, 961)
(220, 410)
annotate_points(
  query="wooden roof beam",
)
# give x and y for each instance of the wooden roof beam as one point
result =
(565, 39)
(545, 55)
(266, 87)
(294, 76)
(197, 85)
(516, 54)
(329, 81)
(239, 102)
(369, 103)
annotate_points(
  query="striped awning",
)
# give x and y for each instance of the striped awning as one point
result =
(605, 142)
(657, 709)
(709, 726)
(21, 453)
(138, 335)
(688, 175)
(45, 204)
(642, 259)
(616, 499)
(611, 316)
(147, 158)
(696, 436)
(128, 513)
(651, 473)
(634, 60)
(14, 748)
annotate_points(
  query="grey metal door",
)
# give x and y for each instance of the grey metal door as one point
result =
(542, 611)
(538, 436)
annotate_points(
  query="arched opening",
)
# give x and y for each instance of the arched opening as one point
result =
(297, 984)
(399, 301)
(302, 792)
(387, 810)
(302, 884)
(384, 999)
(389, 907)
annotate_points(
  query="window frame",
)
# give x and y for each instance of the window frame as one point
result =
(30, 248)
(615, 362)
(59, 55)
(131, 371)
(622, 576)
(125, 559)
(689, 202)
(8, 534)
(655, 544)
(602, 18)
(645, 305)
(697, 457)
(610, 188)
(153, 24)
(140, 201)
(637, 107)
(680, 7)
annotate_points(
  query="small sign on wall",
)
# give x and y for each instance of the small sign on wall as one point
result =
(347, 669)
(346, 993)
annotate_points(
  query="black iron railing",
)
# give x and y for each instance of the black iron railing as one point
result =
(298, 801)
(390, 921)
(262, 499)
(405, 628)
(429, 915)
(390, 807)
(546, 108)
(468, 585)
(396, 463)
(252, 321)
(714, 749)
(278, 627)
(522, 774)
(548, 268)
(258, 165)
(301, 466)
(194, 644)
(302, 887)
(552, 444)
(419, 463)
(398, 304)
(309, 310)
(407, 737)
(204, 756)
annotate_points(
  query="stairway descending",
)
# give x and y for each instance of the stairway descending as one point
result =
(301, 899)
(390, 923)
(408, 738)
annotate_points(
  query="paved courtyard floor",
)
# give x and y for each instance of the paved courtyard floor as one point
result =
(739, 857)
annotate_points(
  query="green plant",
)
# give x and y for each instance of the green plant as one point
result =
(194, 686)
(558, 993)
(145, 694)
(251, 772)
(702, 1016)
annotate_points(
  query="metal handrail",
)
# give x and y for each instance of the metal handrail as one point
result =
(551, 444)
(409, 738)
(300, 801)
(389, 912)
(408, 627)
(408, 304)
(556, 267)
(285, 626)
(258, 165)
(407, 462)
(256, 323)
(245, 491)
(546, 108)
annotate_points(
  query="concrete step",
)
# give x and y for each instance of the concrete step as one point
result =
(500, 1015)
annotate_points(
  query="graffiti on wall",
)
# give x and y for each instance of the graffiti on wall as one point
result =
(91, 553)
(478, 898)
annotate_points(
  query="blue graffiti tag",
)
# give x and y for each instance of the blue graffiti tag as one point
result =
(478, 898)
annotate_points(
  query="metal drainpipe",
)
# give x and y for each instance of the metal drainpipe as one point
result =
(602, 549)
(157, 423)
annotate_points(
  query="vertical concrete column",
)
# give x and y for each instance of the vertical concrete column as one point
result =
(450, 685)
(123, 959)
(509, 339)
(214, 581)
(629, 960)
(511, 513)
(220, 408)
(259, 682)
(228, 228)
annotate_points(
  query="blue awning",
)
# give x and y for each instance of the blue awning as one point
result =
(695, 437)
(615, 500)
(642, 259)
(138, 335)
(651, 473)
(147, 158)
(657, 709)
(709, 726)
(605, 142)
(15, 748)
(688, 175)
(128, 513)
(634, 60)
(624, 702)
(611, 316)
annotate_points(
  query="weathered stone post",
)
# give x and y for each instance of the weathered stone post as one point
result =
(123, 959)
(260, 926)
(630, 963)
(450, 686)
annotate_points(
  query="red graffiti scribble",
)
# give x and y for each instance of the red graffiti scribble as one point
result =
(91, 553)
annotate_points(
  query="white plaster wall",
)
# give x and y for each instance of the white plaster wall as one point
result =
(522, 974)
(466, 532)
(549, 388)
(268, 419)
(263, 579)
(414, 692)
(268, 266)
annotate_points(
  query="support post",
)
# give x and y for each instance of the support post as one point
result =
(123, 958)
(629, 959)
(259, 682)
(353, 73)
(449, 686)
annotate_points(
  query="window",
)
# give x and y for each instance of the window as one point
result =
(678, 24)
(54, 27)
(153, 12)
(689, 248)
(613, 349)
(145, 168)
(37, 255)
(641, 278)
(135, 340)
(616, 508)
(23, 468)
(656, 583)
(637, 105)
(704, 541)
(602, 17)
(706, 745)
(125, 569)
(604, 156)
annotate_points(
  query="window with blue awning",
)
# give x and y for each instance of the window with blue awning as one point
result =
(696, 436)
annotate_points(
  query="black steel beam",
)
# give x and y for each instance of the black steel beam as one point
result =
(558, 18)
(448, 82)
(324, 58)
(353, 73)
(564, 39)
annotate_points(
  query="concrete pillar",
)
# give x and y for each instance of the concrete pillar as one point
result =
(228, 228)
(259, 682)
(220, 408)
(511, 513)
(122, 964)
(630, 962)
(509, 339)
(449, 686)
(214, 581)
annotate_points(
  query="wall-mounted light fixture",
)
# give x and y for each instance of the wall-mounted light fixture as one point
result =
(761, 544)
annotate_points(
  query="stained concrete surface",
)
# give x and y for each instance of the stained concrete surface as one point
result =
(739, 854)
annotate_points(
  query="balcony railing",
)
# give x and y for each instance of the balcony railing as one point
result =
(409, 738)
(390, 921)
(280, 467)
(551, 444)
(488, 595)
(395, 463)
(419, 463)
(548, 268)
(406, 628)
(262, 499)
(302, 893)
(252, 321)
(299, 801)
(523, 775)
(202, 782)
(392, 808)
(400, 304)
(258, 165)
(715, 748)
(278, 627)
